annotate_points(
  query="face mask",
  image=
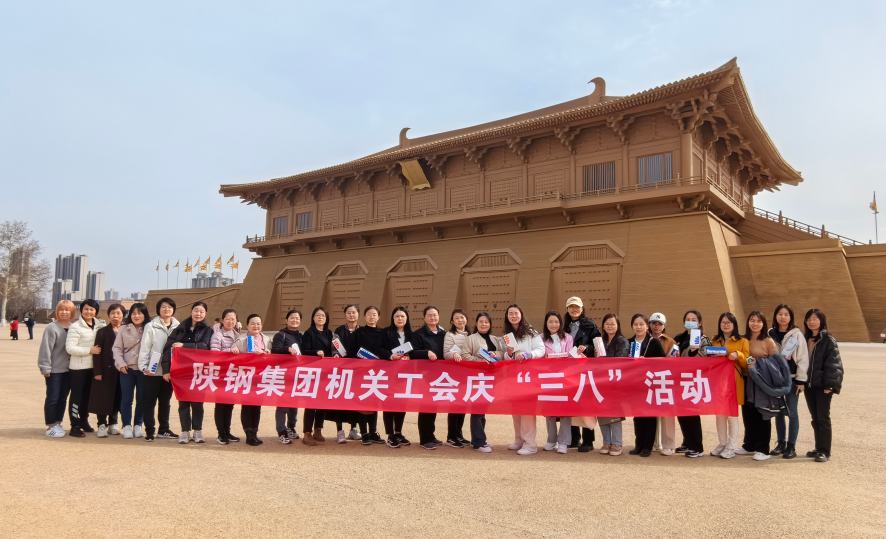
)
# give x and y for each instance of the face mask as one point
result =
(691, 325)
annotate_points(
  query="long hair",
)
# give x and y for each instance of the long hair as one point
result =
(314, 312)
(462, 312)
(735, 332)
(560, 332)
(407, 329)
(479, 315)
(821, 317)
(775, 317)
(523, 329)
(764, 333)
(142, 308)
(698, 315)
(605, 335)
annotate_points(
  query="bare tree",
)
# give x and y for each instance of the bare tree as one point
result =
(24, 277)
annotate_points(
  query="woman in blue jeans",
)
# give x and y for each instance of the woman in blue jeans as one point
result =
(783, 332)
(132, 380)
(616, 346)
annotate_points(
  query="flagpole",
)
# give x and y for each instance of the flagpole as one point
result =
(177, 272)
(158, 275)
(167, 275)
(876, 228)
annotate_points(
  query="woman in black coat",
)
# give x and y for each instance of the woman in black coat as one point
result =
(372, 339)
(193, 333)
(287, 341)
(825, 379)
(395, 336)
(105, 395)
(644, 427)
(347, 334)
(317, 342)
(583, 331)
(427, 343)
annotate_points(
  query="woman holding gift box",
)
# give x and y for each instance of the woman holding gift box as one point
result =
(427, 343)
(526, 344)
(737, 351)
(557, 342)
(251, 415)
(287, 341)
(615, 345)
(690, 426)
(347, 334)
(222, 341)
(317, 342)
(158, 392)
(792, 345)
(396, 335)
(649, 346)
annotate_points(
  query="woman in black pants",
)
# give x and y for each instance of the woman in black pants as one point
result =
(317, 342)
(427, 343)
(347, 334)
(371, 338)
(250, 415)
(395, 336)
(644, 427)
(288, 341)
(224, 340)
(690, 426)
(824, 381)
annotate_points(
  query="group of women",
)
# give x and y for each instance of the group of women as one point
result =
(108, 367)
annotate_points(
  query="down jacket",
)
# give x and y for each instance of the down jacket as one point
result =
(80, 339)
(154, 340)
(825, 366)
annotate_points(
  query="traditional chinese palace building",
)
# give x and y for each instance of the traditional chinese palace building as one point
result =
(639, 203)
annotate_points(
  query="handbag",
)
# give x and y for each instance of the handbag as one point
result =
(609, 420)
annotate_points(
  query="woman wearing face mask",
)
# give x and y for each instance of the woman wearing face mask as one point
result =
(194, 334)
(825, 379)
(616, 345)
(250, 415)
(758, 430)
(784, 331)
(644, 427)
(737, 351)
(318, 342)
(557, 341)
(372, 339)
(455, 344)
(690, 426)
(528, 345)
(80, 343)
(396, 335)
(224, 340)
(427, 343)
(288, 341)
(132, 380)
(347, 334)
(104, 396)
(54, 362)
(158, 391)
(583, 330)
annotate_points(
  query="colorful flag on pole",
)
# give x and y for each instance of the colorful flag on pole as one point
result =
(235, 265)
(176, 263)
(218, 263)
(231, 261)
(874, 204)
(167, 266)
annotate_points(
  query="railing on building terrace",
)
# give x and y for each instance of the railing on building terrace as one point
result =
(803, 227)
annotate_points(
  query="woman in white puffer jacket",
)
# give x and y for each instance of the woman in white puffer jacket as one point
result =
(80, 344)
(527, 345)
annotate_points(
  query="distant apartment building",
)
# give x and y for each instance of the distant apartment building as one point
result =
(95, 285)
(216, 280)
(70, 278)
(20, 263)
(137, 296)
(112, 295)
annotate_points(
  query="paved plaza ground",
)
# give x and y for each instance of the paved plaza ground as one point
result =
(129, 488)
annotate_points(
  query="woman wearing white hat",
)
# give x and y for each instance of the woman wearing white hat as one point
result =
(583, 331)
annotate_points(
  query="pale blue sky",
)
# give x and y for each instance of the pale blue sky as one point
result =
(119, 122)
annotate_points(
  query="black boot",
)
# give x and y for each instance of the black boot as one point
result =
(250, 437)
(779, 449)
(790, 452)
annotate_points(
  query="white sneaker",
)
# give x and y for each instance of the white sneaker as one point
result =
(114, 430)
(184, 437)
(127, 432)
(562, 449)
(727, 454)
(514, 446)
(342, 439)
(550, 446)
(527, 451)
(354, 435)
(667, 452)
(102, 431)
(761, 456)
(198, 437)
(56, 431)
(137, 431)
(485, 449)
(718, 450)
(743, 451)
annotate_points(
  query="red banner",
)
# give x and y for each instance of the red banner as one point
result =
(567, 387)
